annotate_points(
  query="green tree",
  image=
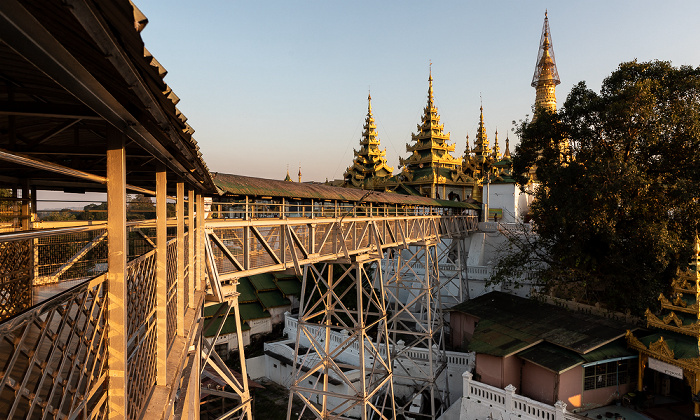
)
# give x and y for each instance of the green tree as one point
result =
(615, 212)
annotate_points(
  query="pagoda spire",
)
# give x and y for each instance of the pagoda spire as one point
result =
(496, 149)
(506, 154)
(429, 147)
(481, 143)
(369, 168)
(546, 76)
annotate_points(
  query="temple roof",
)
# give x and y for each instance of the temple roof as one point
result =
(429, 147)
(369, 163)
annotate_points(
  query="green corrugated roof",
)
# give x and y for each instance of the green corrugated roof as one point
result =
(617, 348)
(210, 310)
(264, 281)
(288, 284)
(246, 290)
(245, 185)
(273, 299)
(683, 346)
(251, 311)
(499, 339)
(228, 328)
(527, 320)
(549, 356)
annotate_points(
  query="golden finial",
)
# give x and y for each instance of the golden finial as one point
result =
(369, 103)
(299, 173)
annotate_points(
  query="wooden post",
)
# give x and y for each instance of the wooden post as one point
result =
(118, 405)
(180, 207)
(201, 265)
(191, 229)
(161, 277)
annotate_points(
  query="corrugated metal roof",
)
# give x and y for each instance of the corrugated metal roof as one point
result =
(524, 321)
(551, 357)
(264, 281)
(244, 185)
(273, 299)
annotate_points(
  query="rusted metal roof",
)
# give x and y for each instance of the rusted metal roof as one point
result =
(229, 184)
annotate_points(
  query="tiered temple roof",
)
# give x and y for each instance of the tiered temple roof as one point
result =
(429, 147)
(369, 167)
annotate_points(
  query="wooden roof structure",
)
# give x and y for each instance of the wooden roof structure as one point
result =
(69, 71)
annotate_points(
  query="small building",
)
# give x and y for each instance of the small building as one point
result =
(547, 352)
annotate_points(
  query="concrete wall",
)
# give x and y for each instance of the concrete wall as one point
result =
(461, 329)
(538, 383)
(490, 370)
(511, 371)
(256, 367)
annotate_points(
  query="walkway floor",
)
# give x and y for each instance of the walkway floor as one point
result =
(614, 412)
(672, 411)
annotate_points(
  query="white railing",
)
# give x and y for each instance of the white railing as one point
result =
(477, 396)
(454, 359)
(478, 272)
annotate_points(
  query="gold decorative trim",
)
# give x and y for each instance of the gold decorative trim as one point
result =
(661, 347)
(673, 317)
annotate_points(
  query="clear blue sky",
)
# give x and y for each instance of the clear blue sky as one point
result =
(267, 84)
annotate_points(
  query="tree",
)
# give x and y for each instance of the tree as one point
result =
(615, 212)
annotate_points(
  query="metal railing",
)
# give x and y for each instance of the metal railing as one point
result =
(53, 303)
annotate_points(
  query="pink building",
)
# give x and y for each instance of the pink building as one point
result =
(547, 352)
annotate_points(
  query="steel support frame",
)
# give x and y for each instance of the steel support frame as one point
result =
(417, 322)
(452, 267)
(338, 298)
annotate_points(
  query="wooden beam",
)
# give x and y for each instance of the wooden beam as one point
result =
(44, 110)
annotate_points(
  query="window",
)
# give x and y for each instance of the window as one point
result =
(604, 375)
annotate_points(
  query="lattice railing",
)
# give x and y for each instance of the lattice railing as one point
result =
(172, 279)
(71, 256)
(186, 273)
(58, 356)
(277, 244)
(141, 331)
(15, 277)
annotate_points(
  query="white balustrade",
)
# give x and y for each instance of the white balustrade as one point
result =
(507, 401)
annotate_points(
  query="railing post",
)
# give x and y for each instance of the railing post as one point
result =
(118, 404)
(559, 410)
(180, 209)
(510, 392)
(161, 277)
(191, 238)
(466, 384)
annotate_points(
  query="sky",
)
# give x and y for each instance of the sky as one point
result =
(274, 84)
